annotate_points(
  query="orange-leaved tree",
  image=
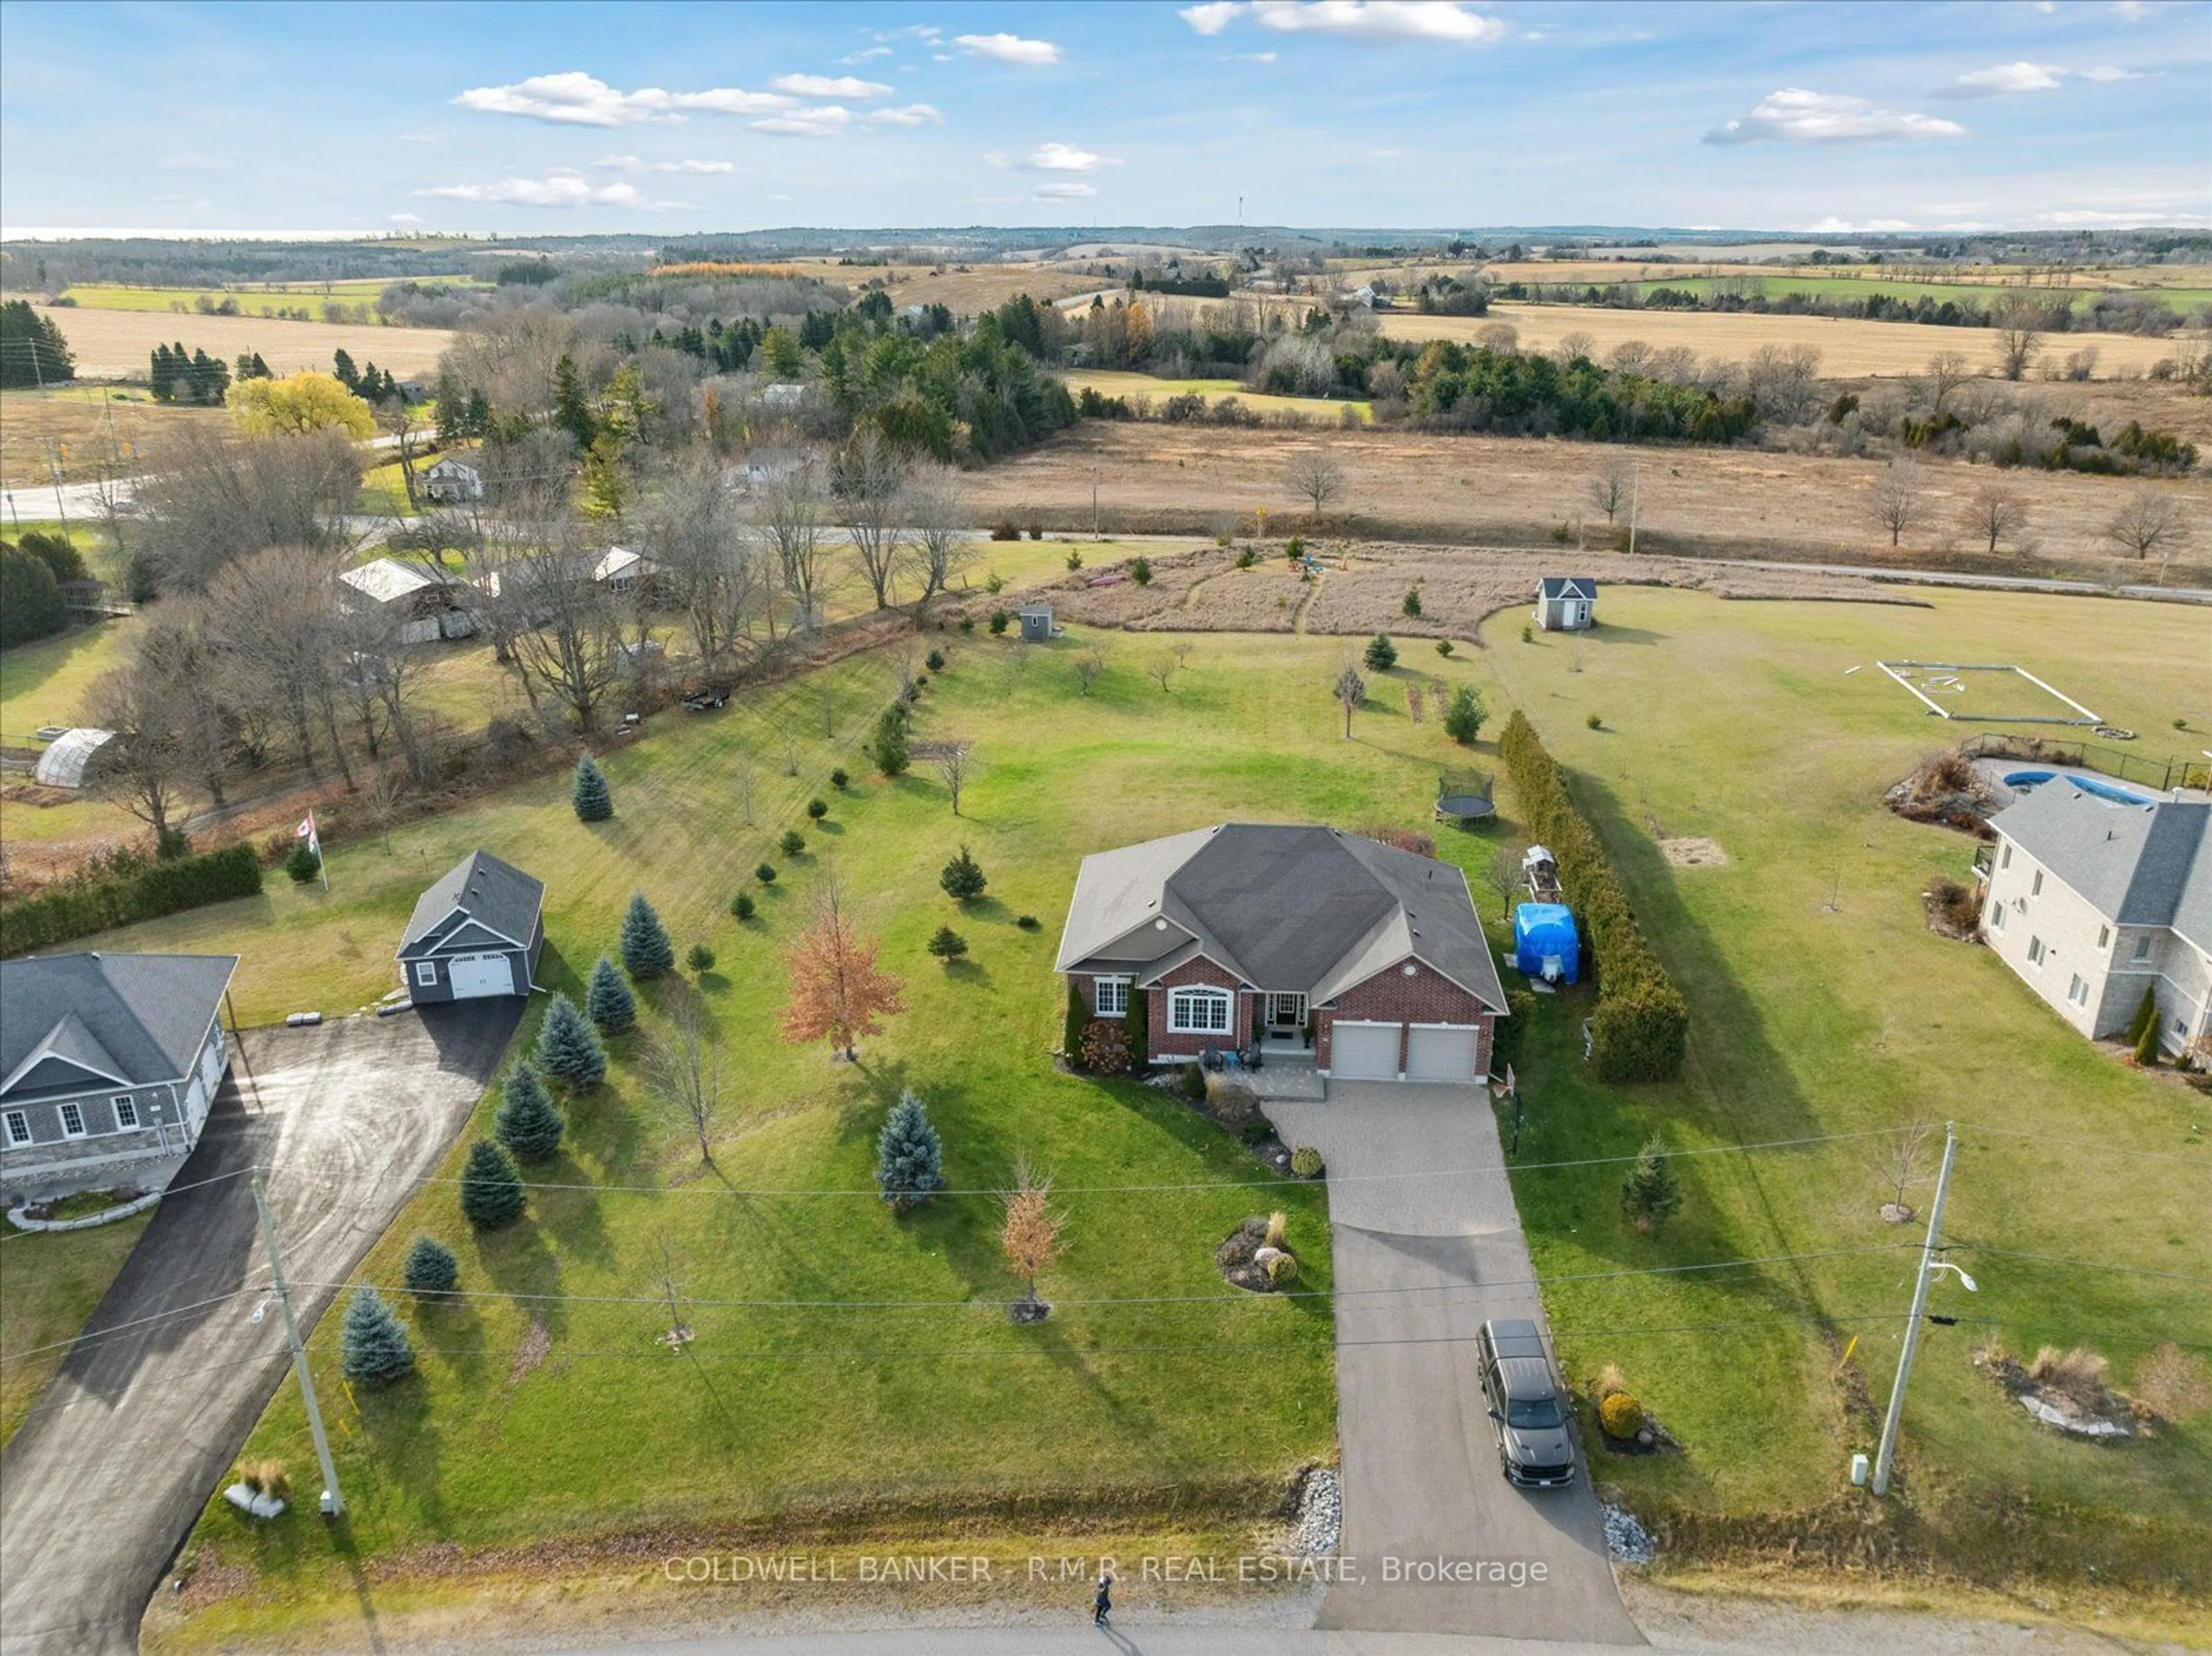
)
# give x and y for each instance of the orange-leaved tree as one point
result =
(1029, 1238)
(835, 989)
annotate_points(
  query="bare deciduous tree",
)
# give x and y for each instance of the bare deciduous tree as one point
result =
(1351, 690)
(1784, 381)
(143, 767)
(2151, 521)
(1901, 1163)
(706, 556)
(2020, 319)
(953, 764)
(1609, 488)
(685, 1071)
(273, 615)
(1573, 346)
(936, 515)
(1947, 372)
(1087, 666)
(217, 499)
(565, 630)
(1315, 475)
(1162, 667)
(1895, 503)
(1502, 874)
(790, 512)
(1997, 512)
(869, 483)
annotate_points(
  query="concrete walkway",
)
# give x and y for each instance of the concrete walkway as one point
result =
(109, 1470)
(1423, 1253)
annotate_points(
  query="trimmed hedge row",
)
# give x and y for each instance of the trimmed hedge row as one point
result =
(1641, 1028)
(77, 908)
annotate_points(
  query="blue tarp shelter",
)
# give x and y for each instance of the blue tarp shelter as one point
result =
(1545, 943)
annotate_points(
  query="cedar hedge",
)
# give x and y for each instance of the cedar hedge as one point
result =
(1641, 1028)
(79, 907)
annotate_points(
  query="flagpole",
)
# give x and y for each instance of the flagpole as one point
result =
(315, 838)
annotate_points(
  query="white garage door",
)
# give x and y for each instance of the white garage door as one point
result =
(481, 974)
(1364, 1051)
(1440, 1053)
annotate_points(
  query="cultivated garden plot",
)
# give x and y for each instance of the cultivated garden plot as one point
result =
(1987, 692)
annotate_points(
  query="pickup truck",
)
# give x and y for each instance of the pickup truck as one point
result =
(1526, 1410)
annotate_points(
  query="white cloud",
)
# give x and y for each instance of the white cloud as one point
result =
(2005, 80)
(829, 86)
(1246, 57)
(2105, 73)
(907, 115)
(2132, 11)
(556, 189)
(575, 99)
(1945, 209)
(862, 56)
(406, 218)
(635, 164)
(1450, 22)
(2099, 216)
(1212, 17)
(1066, 158)
(824, 121)
(1009, 49)
(1794, 115)
(1836, 226)
(1062, 192)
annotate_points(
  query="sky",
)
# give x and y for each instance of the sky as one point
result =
(665, 120)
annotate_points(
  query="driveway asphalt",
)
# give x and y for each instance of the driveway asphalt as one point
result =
(107, 1473)
(1424, 1250)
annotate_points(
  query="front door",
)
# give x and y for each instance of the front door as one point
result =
(1286, 1013)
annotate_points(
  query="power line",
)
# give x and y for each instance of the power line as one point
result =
(2080, 1265)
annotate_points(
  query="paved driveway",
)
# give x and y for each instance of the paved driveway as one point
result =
(99, 1484)
(1420, 1262)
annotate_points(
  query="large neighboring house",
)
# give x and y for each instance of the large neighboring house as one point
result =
(477, 932)
(2093, 900)
(1237, 935)
(108, 1064)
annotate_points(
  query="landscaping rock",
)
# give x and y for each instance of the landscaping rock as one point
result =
(1317, 1518)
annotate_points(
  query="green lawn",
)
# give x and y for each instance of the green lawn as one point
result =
(49, 1281)
(46, 683)
(251, 300)
(1738, 723)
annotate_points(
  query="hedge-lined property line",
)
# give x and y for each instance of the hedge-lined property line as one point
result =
(80, 907)
(1641, 1028)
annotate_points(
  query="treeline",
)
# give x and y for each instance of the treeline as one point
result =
(126, 889)
(2113, 311)
(1640, 1030)
(32, 349)
(1455, 387)
(178, 376)
(34, 569)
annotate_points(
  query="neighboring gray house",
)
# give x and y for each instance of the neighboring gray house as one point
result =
(1244, 935)
(451, 483)
(2092, 900)
(1566, 604)
(477, 932)
(108, 1064)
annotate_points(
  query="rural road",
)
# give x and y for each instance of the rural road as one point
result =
(112, 1466)
(1414, 1261)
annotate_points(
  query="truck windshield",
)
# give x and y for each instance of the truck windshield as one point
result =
(1535, 1415)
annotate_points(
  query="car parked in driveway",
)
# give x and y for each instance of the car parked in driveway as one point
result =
(1526, 1411)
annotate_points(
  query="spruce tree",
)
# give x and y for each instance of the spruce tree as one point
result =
(568, 1048)
(431, 1267)
(589, 793)
(491, 1188)
(963, 878)
(1463, 719)
(527, 1124)
(647, 952)
(613, 1009)
(909, 1157)
(1649, 1193)
(1380, 655)
(889, 748)
(947, 944)
(374, 1348)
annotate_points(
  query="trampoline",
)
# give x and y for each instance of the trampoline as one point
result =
(1464, 797)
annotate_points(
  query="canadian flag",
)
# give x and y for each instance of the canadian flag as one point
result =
(307, 831)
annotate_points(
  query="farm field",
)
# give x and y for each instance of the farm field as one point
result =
(2184, 299)
(1109, 383)
(1849, 347)
(1501, 491)
(555, 1422)
(89, 424)
(963, 291)
(253, 299)
(1948, 278)
(115, 344)
(1821, 1005)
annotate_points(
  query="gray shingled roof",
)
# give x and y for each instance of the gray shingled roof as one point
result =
(2148, 864)
(483, 888)
(1560, 587)
(1311, 909)
(142, 1017)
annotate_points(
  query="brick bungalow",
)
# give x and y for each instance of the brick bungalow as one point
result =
(1245, 935)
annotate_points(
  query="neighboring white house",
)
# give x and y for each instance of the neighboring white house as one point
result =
(1566, 604)
(2091, 901)
(620, 569)
(424, 608)
(452, 482)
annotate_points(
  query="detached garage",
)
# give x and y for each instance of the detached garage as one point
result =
(477, 932)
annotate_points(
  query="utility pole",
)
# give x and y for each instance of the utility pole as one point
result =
(1928, 1252)
(333, 1498)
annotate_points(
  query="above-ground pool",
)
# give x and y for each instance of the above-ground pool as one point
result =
(2021, 781)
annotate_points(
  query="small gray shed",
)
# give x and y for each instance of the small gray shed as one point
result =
(1036, 623)
(1566, 604)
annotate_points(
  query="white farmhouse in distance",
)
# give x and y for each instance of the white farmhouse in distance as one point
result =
(2093, 900)
(451, 483)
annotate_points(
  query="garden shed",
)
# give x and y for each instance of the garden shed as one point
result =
(1546, 944)
(477, 932)
(1566, 604)
(1036, 623)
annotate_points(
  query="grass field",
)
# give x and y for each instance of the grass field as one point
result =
(49, 1283)
(2185, 300)
(1108, 383)
(115, 344)
(253, 299)
(90, 427)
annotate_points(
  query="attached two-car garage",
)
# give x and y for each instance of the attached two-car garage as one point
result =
(1366, 1050)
